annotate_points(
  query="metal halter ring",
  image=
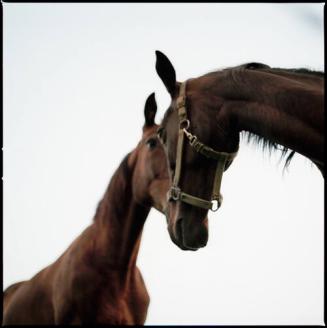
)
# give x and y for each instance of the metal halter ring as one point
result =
(216, 207)
(185, 122)
(174, 193)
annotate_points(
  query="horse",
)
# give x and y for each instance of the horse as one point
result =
(276, 107)
(96, 279)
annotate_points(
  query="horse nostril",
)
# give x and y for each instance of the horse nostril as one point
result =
(179, 230)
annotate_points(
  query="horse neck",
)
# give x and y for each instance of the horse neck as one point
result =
(282, 110)
(118, 224)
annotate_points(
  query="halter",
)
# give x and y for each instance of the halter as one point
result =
(223, 161)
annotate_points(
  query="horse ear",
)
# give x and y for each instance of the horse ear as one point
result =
(150, 110)
(166, 72)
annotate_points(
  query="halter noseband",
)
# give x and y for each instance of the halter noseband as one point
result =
(223, 160)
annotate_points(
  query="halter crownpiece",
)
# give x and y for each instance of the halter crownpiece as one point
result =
(223, 160)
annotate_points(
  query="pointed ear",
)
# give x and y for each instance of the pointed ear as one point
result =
(150, 110)
(166, 72)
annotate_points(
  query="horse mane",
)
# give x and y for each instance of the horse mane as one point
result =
(267, 145)
(261, 141)
(258, 66)
(121, 177)
(301, 71)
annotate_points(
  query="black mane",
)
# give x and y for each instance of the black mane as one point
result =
(123, 175)
(258, 140)
(301, 70)
(266, 144)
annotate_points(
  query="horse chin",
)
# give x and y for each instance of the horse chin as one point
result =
(180, 244)
(192, 239)
(195, 235)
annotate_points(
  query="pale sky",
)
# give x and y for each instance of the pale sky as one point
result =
(76, 77)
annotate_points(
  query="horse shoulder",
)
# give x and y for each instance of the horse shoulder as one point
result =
(75, 281)
(31, 302)
(139, 298)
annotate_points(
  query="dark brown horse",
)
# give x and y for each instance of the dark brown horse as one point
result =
(273, 106)
(96, 279)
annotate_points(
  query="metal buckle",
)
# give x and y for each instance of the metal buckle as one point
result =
(180, 102)
(192, 138)
(174, 193)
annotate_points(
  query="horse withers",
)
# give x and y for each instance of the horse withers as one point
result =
(96, 279)
(201, 132)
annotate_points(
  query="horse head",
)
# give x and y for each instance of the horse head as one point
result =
(200, 144)
(150, 179)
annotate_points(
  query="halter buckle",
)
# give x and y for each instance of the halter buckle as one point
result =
(174, 193)
(192, 138)
(180, 102)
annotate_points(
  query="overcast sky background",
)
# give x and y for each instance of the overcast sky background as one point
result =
(76, 77)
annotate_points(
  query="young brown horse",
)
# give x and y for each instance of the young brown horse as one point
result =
(273, 106)
(96, 279)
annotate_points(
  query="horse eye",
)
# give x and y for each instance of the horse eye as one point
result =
(151, 143)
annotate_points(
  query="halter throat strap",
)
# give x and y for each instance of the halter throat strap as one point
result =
(223, 160)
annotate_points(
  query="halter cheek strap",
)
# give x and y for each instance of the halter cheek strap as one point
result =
(223, 160)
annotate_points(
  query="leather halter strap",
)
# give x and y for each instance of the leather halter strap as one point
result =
(223, 160)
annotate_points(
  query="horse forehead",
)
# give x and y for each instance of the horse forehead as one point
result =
(148, 131)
